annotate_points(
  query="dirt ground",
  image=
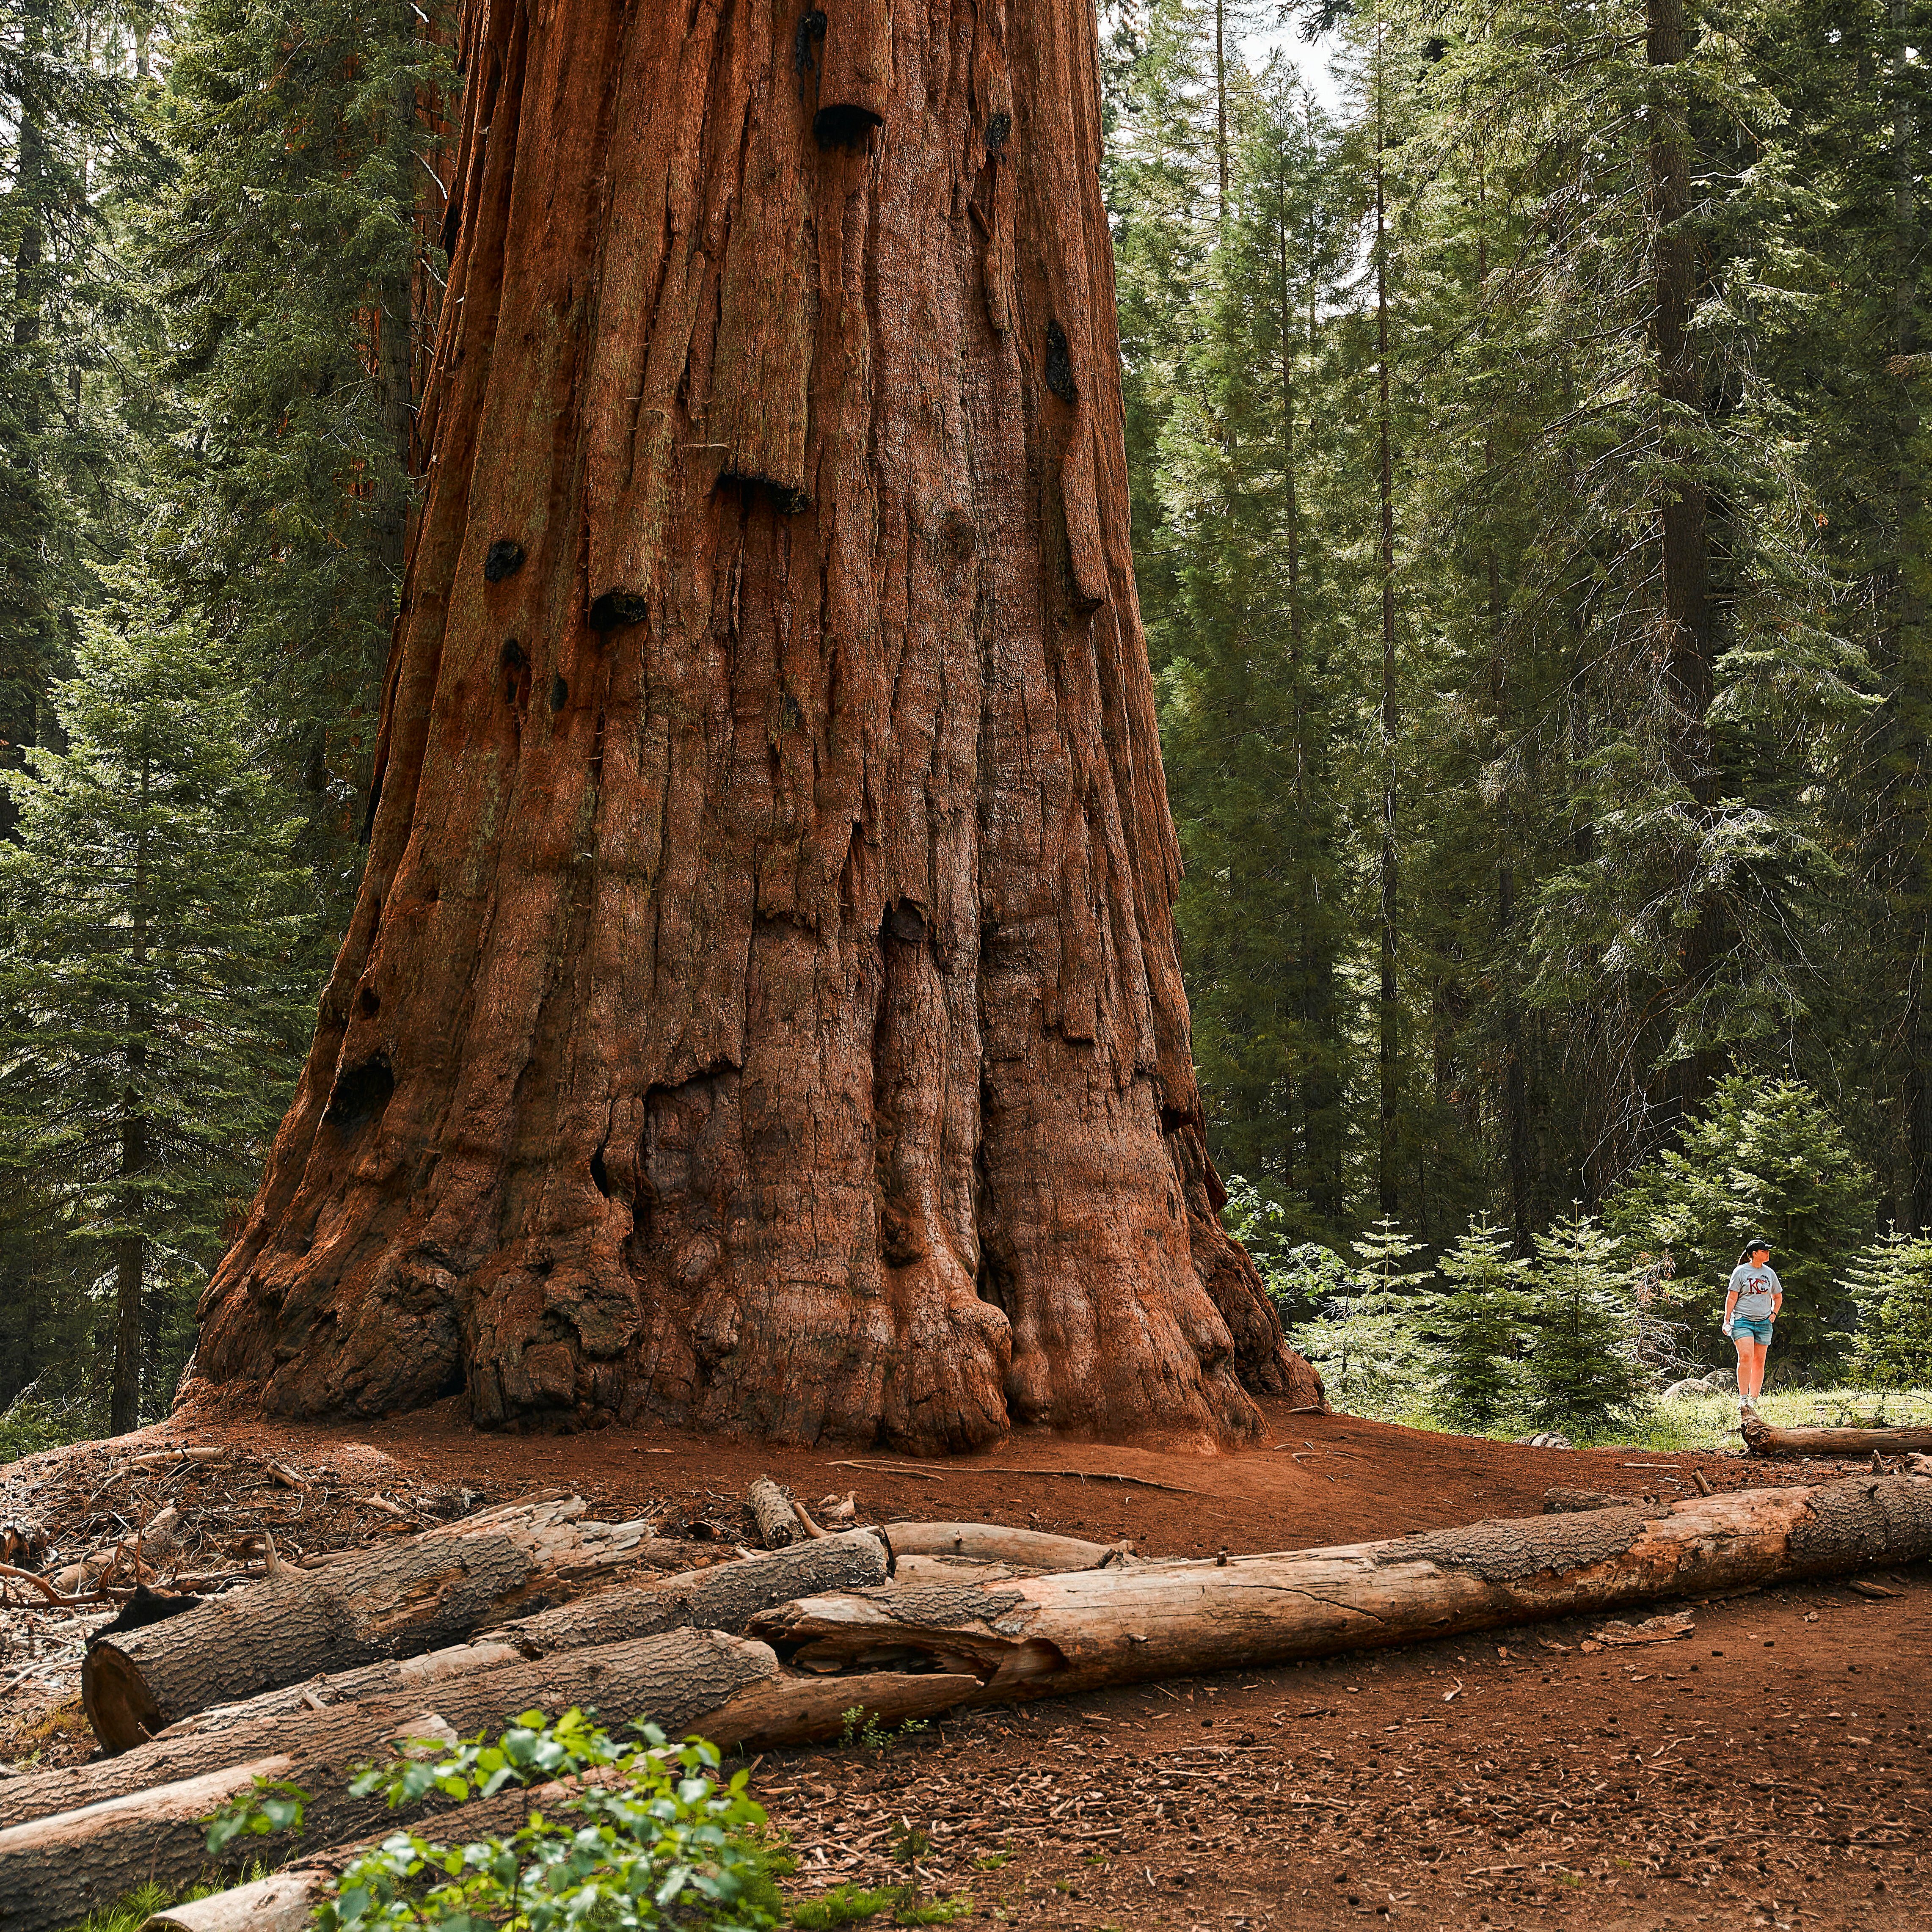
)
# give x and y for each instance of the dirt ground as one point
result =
(1770, 1769)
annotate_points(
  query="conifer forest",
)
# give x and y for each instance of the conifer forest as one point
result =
(1528, 415)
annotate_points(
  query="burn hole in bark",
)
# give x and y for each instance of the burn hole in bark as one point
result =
(1060, 364)
(516, 668)
(844, 124)
(368, 1003)
(1172, 1120)
(600, 1174)
(904, 921)
(806, 43)
(998, 126)
(360, 1095)
(617, 608)
(506, 558)
(560, 693)
(375, 800)
(782, 497)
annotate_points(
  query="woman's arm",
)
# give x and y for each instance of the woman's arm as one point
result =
(1730, 1308)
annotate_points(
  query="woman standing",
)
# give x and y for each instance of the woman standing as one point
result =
(1750, 1306)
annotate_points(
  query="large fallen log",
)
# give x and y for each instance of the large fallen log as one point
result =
(406, 1595)
(56, 1869)
(1762, 1438)
(994, 1543)
(765, 1714)
(724, 1598)
(1047, 1636)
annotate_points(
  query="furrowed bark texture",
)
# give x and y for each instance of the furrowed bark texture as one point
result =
(1050, 1636)
(762, 1008)
(396, 1600)
(58, 1867)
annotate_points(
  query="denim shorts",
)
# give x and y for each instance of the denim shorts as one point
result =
(1757, 1328)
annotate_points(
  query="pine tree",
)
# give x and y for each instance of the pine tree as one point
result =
(1890, 1284)
(69, 147)
(296, 257)
(1581, 1370)
(1476, 1328)
(1766, 1158)
(1367, 1340)
(150, 1000)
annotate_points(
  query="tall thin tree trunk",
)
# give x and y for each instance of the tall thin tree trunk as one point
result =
(1389, 1036)
(1221, 106)
(130, 1245)
(1685, 647)
(761, 1011)
(1914, 673)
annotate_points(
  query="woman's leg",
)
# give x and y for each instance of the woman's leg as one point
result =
(1744, 1346)
(1759, 1352)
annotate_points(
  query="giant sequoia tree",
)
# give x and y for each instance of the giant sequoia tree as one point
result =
(761, 1008)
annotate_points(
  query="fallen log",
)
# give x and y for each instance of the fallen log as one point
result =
(57, 1868)
(994, 1543)
(724, 1598)
(767, 1713)
(778, 1525)
(409, 1595)
(1762, 1438)
(1050, 1635)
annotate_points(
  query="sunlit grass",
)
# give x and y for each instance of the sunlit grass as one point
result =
(1707, 1421)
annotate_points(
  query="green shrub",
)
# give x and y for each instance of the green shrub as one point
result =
(1890, 1284)
(30, 1424)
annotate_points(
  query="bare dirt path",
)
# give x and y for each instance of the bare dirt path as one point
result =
(1772, 1769)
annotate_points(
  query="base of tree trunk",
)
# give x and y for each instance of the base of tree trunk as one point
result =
(763, 1011)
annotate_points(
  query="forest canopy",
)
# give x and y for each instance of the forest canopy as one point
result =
(1529, 458)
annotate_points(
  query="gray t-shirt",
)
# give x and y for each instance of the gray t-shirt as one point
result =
(1755, 1287)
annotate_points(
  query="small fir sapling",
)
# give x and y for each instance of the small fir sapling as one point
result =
(1583, 1367)
(1890, 1283)
(1476, 1328)
(1367, 1341)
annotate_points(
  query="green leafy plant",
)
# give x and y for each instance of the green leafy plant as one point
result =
(863, 1731)
(648, 1835)
(1367, 1342)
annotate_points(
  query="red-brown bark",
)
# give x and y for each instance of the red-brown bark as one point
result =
(762, 1008)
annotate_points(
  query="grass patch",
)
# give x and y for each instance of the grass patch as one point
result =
(853, 1905)
(131, 1913)
(1710, 1421)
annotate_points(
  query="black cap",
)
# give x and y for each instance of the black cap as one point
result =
(1757, 1242)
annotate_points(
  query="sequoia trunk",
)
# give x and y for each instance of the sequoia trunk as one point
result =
(761, 1010)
